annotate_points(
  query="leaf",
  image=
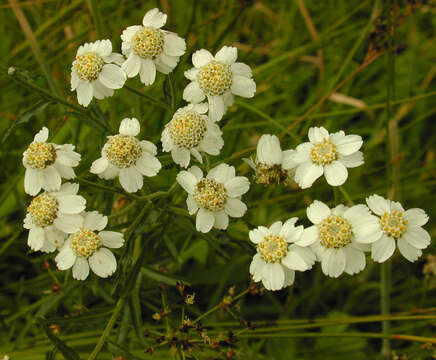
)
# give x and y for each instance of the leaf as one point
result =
(67, 352)
(159, 277)
(117, 350)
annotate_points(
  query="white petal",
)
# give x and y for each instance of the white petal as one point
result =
(95, 221)
(115, 58)
(103, 47)
(273, 276)
(191, 205)
(276, 228)
(112, 239)
(307, 173)
(181, 156)
(154, 18)
(317, 212)
(242, 69)
(110, 173)
(317, 134)
(416, 217)
(222, 173)
(167, 142)
(99, 165)
(147, 72)
(347, 145)
(130, 127)
(235, 208)
(269, 151)
(221, 220)
(243, 86)
(41, 135)
(353, 160)
(201, 57)
(71, 204)
(161, 66)
(417, 237)
(132, 65)
(204, 220)
(408, 251)
(227, 55)
(112, 76)
(36, 238)
(333, 262)
(80, 268)
(355, 260)
(256, 236)
(50, 179)
(65, 258)
(191, 74)
(54, 238)
(187, 181)
(67, 158)
(28, 222)
(335, 173)
(256, 267)
(148, 165)
(196, 171)
(129, 32)
(32, 181)
(302, 153)
(193, 93)
(382, 249)
(68, 223)
(131, 179)
(237, 186)
(74, 79)
(84, 92)
(149, 147)
(174, 45)
(103, 263)
(299, 258)
(216, 107)
(309, 236)
(196, 155)
(65, 172)
(378, 204)
(289, 277)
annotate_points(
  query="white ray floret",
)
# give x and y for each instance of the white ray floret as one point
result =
(278, 256)
(88, 248)
(189, 132)
(325, 154)
(339, 236)
(218, 78)
(52, 215)
(96, 71)
(47, 163)
(400, 226)
(215, 197)
(149, 48)
(126, 157)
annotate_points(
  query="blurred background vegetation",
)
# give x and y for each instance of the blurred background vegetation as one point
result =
(326, 63)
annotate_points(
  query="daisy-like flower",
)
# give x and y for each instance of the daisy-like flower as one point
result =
(189, 132)
(339, 236)
(218, 78)
(278, 256)
(96, 71)
(47, 163)
(215, 197)
(88, 247)
(398, 224)
(126, 157)
(52, 215)
(148, 48)
(268, 164)
(328, 154)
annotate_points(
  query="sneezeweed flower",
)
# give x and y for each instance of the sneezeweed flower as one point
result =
(397, 224)
(189, 132)
(328, 154)
(339, 236)
(148, 48)
(88, 247)
(47, 163)
(96, 71)
(218, 78)
(268, 164)
(52, 215)
(126, 157)
(215, 197)
(278, 256)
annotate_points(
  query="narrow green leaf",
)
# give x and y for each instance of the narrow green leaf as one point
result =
(67, 352)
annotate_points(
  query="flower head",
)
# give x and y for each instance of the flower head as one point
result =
(398, 225)
(96, 71)
(52, 215)
(218, 78)
(328, 154)
(47, 163)
(278, 256)
(126, 157)
(215, 197)
(88, 247)
(189, 132)
(148, 48)
(339, 236)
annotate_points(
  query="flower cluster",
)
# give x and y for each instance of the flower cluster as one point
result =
(339, 236)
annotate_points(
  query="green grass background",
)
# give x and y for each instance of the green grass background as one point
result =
(298, 61)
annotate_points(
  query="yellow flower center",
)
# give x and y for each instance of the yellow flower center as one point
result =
(122, 150)
(335, 232)
(148, 42)
(39, 155)
(88, 66)
(187, 128)
(393, 224)
(210, 195)
(43, 210)
(85, 242)
(272, 248)
(324, 152)
(215, 78)
(266, 174)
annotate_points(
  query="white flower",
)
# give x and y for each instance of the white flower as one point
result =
(398, 224)
(328, 154)
(278, 256)
(148, 48)
(269, 161)
(218, 78)
(126, 157)
(46, 164)
(87, 247)
(339, 236)
(96, 71)
(189, 132)
(215, 197)
(52, 215)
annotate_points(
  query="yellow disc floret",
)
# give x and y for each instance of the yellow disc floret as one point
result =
(335, 232)
(39, 155)
(122, 150)
(148, 42)
(210, 195)
(324, 152)
(215, 78)
(187, 128)
(272, 248)
(85, 242)
(43, 209)
(88, 66)
(393, 224)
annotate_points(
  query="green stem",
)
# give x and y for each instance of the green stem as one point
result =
(92, 4)
(107, 188)
(346, 195)
(148, 98)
